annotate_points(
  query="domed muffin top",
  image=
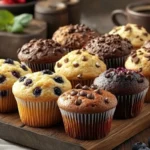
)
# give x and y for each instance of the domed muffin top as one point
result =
(74, 36)
(79, 64)
(86, 99)
(109, 46)
(42, 50)
(136, 34)
(41, 86)
(122, 81)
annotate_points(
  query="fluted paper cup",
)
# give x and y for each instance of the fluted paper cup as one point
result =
(147, 97)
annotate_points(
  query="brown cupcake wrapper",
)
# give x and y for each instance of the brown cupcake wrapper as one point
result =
(82, 82)
(115, 62)
(40, 66)
(87, 126)
(147, 97)
(8, 102)
(129, 105)
(38, 114)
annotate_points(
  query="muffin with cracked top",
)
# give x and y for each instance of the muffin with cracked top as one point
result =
(88, 108)
(36, 95)
(130, 88)
(112, 48)
(41, 54)
(10, 72)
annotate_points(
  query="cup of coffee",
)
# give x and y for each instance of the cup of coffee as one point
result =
(137, 13)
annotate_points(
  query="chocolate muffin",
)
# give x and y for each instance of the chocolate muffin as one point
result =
(112, 48)
(74, 36)
(87, 112)
(130, 88)
(41, 54)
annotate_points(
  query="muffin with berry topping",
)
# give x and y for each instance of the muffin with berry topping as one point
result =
(128, 86)
(10, 72)
(139, 60)
(74, 36)
(112, 48)
(41, 54)
(36, 95)
(79, 66)
(87, 112)
(136, 34)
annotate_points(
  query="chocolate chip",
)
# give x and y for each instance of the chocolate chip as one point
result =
(37, 91)
(75, 64)
(78, 86)
(73, 93)
(49, 72)
(98, 91)
(16, 74)
(59, 65)
(94, 86)
(2, 78)
(128, 28)
(24, 67)
(79, 76)
(140, 70)
(66, 60)
(59, 79)
(82, 93)
(21, 79)
(97, 65)
(78, 52)
(140, 80)
(9, 61)
(106, 101)
(3, 93)
(85, 87)
(78, 102)
(145, 34)
(136, 60)
(28, 82)
(84, 58)
(90, 96)
(57, 91)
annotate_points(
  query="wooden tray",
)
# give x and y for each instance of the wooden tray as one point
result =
(54, 138)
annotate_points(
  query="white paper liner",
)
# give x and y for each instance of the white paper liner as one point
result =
(115, 62)
(38, 114)
(129, 105)
(147, 97)
(40, 66)
(8, 102)
(87, 126)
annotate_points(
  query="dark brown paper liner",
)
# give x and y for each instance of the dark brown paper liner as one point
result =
(129, 105)
(87, 126)
(147, 97)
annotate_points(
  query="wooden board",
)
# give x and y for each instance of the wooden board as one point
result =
(54, 138)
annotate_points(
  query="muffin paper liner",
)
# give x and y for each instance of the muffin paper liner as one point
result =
(87, 126)
(82, 82)
(147, 98)
(41, 66)
(38, 114)
(129, 105)
(115, 62)
(8, 102)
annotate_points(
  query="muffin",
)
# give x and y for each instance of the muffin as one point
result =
(128, 86)
(80, 67)
(136, 34)
(10, 71)
(112, 48)
(74, 36)
(139, 60)
(87, 112)
(36, 95)
(41, 54)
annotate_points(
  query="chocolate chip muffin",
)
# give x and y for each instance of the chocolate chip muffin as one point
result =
(136, 34)
(10, 71)
(36, 95)
(88, 108)
(80, 67)
(112, 48)
(74, 36)
(41, 54)
(130, 88)
(139, 60)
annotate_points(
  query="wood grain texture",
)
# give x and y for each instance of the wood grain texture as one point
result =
(54, 138)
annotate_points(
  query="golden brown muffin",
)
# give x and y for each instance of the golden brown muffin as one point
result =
(136, 34)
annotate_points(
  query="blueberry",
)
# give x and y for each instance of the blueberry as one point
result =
(138, 145)
(37, 91)
(16, 74)
(28, 82)
(9, 61)
(144, 148)
(58, 79)
(2, 78)
(21, 79)
(3, 93)
(24, 67)
(47, 72)
(57, 91)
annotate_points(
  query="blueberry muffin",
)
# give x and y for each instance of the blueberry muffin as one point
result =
(112, 48)
(41, 54)
(85, 108)
(10, 72)
(79, 66)
(36, 95)
(74, 36)
(128, 86)
(139, 60)
(136, 34)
